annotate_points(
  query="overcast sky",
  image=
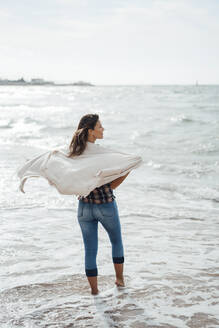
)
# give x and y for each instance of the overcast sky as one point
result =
(111, 42)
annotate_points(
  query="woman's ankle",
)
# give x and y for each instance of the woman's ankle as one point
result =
(93, 285)
(94, 291)
(119, 270)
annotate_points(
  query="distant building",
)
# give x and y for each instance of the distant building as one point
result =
(40, 81)
(13, 82)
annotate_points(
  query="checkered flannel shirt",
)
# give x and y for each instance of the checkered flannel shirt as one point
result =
(103, 194)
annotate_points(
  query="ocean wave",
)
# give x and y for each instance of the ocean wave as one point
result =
(206, 148)
(196, 170)
(30, 120)
(155, 165)
(6, 124)
(182, 118)
(10, 105)
(67, 300)
(56, 128)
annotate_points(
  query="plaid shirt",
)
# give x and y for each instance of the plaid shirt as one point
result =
(103, 194)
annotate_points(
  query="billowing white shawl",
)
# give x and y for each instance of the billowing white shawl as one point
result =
(79, 175)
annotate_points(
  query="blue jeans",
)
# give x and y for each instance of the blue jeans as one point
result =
(88, 217)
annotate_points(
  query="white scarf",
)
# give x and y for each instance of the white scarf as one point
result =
(81, 174)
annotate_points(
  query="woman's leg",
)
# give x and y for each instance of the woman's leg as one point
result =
(111, 223)
(89, 229)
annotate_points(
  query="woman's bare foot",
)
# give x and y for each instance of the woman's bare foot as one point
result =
(119, 282)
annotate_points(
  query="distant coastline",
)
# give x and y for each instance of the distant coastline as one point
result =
(42, 82)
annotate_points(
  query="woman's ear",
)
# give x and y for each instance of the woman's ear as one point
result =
(90, 132)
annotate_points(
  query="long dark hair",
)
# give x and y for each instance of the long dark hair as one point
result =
(79, 140)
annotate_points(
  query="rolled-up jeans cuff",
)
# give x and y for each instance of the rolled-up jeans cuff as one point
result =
(118, 259)
(91, 272)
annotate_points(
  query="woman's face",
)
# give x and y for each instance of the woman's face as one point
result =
(98, 130)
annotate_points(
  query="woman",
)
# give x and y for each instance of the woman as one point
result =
(99, 206)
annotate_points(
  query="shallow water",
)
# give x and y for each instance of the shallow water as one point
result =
(168, 210)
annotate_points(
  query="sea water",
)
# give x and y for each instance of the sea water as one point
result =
(169, 209)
